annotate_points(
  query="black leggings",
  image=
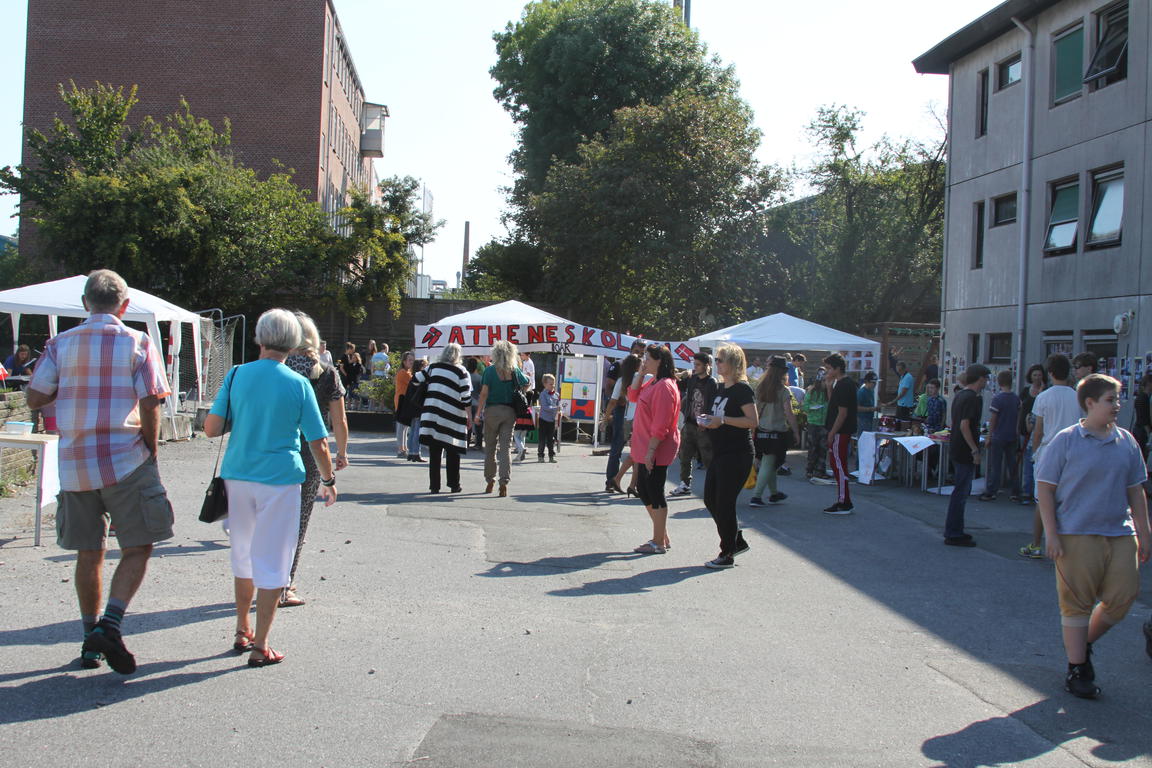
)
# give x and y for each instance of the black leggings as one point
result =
(722, 485)
(650, 485)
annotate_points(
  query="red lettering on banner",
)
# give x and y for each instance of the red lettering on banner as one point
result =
(620, 345)
(513, 334)
(607, 339)
(569, 334)
(495, 333)
(456, 335)
(476, 329)
(535, 334)
(586, 336)
(550, 334)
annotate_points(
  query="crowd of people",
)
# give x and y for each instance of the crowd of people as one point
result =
(1056, 442)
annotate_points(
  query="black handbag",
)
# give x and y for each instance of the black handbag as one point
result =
(520, 404)
(215, 506)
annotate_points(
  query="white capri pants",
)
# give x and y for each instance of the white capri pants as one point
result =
(264, 525)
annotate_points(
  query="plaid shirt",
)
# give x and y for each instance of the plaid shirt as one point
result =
(99, 372)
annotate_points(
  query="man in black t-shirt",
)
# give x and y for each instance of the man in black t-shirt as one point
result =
(841, 423)
(967, 408)
(699, 391)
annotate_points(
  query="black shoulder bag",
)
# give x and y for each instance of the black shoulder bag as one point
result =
(215, 504)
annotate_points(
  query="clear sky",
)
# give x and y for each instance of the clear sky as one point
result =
(428, 61)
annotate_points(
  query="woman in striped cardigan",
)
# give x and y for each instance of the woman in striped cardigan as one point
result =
(445, 417)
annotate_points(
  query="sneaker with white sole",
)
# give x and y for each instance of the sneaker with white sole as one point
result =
(721, 561)
(776, 498)
(681, 490)
(839, 508)
(741, 545)
(816, 480)
(756, 501)
(1031, 551)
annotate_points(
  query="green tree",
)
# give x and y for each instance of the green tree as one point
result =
(508, 269)
(875, 224)
(658, 220)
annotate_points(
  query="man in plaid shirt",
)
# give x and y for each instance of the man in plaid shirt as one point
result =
(107, 382)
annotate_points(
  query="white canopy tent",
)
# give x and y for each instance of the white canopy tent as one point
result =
(504, 313)
(783, 332)
(62, 298)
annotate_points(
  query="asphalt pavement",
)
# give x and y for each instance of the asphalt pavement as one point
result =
(467, 630)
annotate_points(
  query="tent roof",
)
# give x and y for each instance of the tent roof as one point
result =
(504, 313)
(62, 298)
(784, 332)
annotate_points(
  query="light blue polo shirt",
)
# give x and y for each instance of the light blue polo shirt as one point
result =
(1092, 478)
(908, 384)
(271, 406)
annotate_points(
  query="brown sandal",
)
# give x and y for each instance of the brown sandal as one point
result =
(288, 599)
(267, 657)
(243, 641)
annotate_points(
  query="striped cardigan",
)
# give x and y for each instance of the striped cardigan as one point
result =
(449, 393)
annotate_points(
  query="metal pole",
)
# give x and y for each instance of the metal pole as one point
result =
(1024, 207)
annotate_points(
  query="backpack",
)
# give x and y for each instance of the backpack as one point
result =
(412, 403)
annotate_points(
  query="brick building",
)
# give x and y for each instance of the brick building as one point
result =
(281, 73)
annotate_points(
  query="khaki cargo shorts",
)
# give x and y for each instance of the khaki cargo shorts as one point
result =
(137, 506)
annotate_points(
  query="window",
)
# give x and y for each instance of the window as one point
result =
(1004, 210)
(1057, 343)
(323, 150)
(982, 103)
(978, 239)
(1064, 219)
(1009, 72)
(1000, 348)
(1103, 346)
(1067, 64)
(973, 348)
(1107, 220)
(1109, 63)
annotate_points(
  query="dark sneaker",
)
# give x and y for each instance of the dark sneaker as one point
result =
(722, 561)
(987, 497)
(960, 541)
(756, 501)
(1148, 638)
(776, 498)
(112, 646)
(839, 509)
(91, 660)
(1015, 499)
(741, 545)
(1079, 681)
(784, 470)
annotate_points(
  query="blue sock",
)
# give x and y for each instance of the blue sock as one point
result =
(113, 615)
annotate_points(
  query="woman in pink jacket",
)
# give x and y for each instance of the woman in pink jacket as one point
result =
(656, 441)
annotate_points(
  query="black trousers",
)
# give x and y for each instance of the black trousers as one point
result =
(650, 485)
(451, 462)
(722, 485)
(546, 436)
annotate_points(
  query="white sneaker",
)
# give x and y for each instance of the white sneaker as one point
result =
(822, 481)
(680, 490)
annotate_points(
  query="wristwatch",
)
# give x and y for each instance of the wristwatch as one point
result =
(329, 483)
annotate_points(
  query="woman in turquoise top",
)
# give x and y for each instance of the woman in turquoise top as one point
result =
(497, 386)
(267, 407)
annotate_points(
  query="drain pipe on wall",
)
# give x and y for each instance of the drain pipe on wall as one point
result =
(1024, 209)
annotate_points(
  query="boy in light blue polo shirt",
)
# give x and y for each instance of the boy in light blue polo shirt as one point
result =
(1089, 485)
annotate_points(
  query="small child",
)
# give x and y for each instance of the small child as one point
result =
(549, 418)
(1089, 485)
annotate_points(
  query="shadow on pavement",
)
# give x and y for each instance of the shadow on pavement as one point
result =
(645, 581)
(68, 693)
(135, 624)
(160, 550)
(546, 566)
(996, 741)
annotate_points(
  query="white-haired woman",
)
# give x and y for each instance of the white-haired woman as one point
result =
(267, 407)
(444, 419)
(500, 381)
(325, 381)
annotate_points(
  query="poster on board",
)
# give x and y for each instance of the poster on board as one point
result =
(580, 388)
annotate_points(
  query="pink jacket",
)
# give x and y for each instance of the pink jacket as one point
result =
(657, 413)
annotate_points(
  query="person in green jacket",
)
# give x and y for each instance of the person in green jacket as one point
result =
(816, 410)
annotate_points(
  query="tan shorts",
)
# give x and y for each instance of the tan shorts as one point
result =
(138, 507)
(1096, 569)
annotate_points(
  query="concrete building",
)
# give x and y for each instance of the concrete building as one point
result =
(282, 74)
(1050, 125)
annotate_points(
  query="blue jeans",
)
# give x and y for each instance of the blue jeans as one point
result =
(617, 443)
(414, 438)
(1002, 466)
(961, 489)
(1029, 471)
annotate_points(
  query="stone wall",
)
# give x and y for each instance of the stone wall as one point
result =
(15, 464)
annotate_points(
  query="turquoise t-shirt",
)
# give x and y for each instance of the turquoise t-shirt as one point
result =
(270, 406)
(500, 392)
(907, 384)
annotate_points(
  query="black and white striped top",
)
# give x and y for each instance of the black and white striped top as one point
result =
(449, 393)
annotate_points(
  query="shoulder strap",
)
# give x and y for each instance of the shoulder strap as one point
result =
(227, 414)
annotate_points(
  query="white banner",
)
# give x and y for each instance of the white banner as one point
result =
(560, 338)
